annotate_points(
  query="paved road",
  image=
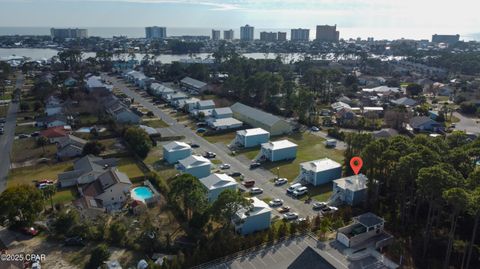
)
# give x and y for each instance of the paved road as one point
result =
(262, 177)
(6, 140)
(467, 124)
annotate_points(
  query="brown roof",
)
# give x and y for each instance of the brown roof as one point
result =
(54, 132)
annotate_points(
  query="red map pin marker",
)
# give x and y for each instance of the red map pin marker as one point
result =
(356, 164)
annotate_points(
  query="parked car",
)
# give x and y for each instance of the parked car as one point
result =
(74, 241)
(319, 205)
(331, 143)
(235, 174)
(329, 210)
(290, 216)
(201, 124)
(300, 220)
(256, 190)
(35, 134)
(300, 191)
(193, 145)
(280, 181)
(293, 187)
(45, 181)
(29, 231)
(201, 130)
(209, 155)
(2, 120)
(284, 209)
(225, 166)
(276, 202)
(22, 136)
(249, 183)
(254, 165)
(314, 129)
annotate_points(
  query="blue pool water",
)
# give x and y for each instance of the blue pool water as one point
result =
(142, 193)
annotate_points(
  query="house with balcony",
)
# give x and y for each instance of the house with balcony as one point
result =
(215, 184)
(364, 228)
(253, 218)
(320, 171)
(194, 165)
(350, 190)
(175, 151)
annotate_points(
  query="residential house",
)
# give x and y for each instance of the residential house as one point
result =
(381, 90)
(70, 82)
(251, 137)
(193, 85)
(110, 189)
(278, 151)
(53, 106)
(445, 91)
(173, 97)
(216, 184)
(404, 101)
(120, 111)
(224, 123)
(52, 121)
(340, 105)
(350, 190)
(175, 151)
(253, 218)
(55, 134)
(205, 104)
(96, 84)
(196, 166)
(423, 123)
(385, 133)
(85, 170)
(320, 171)
(139, 79)
(260, 119)
(222, 113)
(161, 90)
(70, 146)
(364, 228)
(345, 115)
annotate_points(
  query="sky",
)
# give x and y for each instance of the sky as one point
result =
(394, 17)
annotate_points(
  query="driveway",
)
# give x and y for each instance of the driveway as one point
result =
(467, 124)
(261, 176)
(6, 140)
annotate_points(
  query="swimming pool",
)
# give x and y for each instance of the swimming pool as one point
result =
(141, 193)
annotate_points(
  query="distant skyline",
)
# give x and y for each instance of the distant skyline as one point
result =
(362, 18)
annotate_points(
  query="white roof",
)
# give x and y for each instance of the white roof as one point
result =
(215, 181)
(320, 165)
(258, 207)
(373, 108)
(176, 146)
(353, 183)
(252, 132)
(382, 89)
(276, 145)
(226, 122)
(193, 82)
(223, 110)
(194, 161)
(206, 103)
(340, 105)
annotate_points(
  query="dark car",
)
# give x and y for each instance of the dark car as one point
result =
(255, 165)
(201, 130)
(209, 155)
(74, 241)
(194, 145)
(249, 183)
(235, 174)
(22, 136)
(35, 134)
(29, 231)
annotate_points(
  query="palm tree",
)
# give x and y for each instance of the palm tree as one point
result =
(48, 192)
(42, 141)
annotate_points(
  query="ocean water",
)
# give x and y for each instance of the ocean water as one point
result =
(345, 32)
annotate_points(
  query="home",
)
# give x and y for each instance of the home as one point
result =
(340, 105)
(423, 123)
(95, 84)
(344, 115)
(186, 104)
(111, 189)
(445, 91)
(175, 151)
(224, 123)
(122, 65)
(52, 121)
(251, 137)
(404, 101)
(278, 151)
(205, 104)
(53, 106)
(193, 85)
(253, 218)
(385, 133)
(85, 170)
(320, 171)
(138, 78)
(350, 190)
(196, 166)
(120, 111)
(222, 113)
(381, 90)
(216, 184)
(171, 98)
(364, 228)
(55, 134)
(260, 119)
(70, 146)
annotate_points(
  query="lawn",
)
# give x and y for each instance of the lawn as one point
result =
(27, 175)
(155, 123)
(130, 167)
(26, 129)
(310, 147)
(63, 196)
(319, 193)
(155, 161)
(224, 138)
(27, 149)
(26, 116)
(87, 120)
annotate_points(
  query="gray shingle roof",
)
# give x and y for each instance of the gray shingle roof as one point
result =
(193, 82)
(253, 113)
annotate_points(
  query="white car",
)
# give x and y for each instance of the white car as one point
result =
(315, 129)
(280, 181)
(319, 205)
(329, 209)
(225, 166)
(276, 202)
(256, 190)
(290, 216)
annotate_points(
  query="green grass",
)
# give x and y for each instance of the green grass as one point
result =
(130, 167)
(310, 147)
(63, 196)
(30, 115)
(87, 120)
(155, 161)
(26, 175)
(155, 123)
(224, 138)
(26, 149)
(26, 129)
(215, 161)
(319, 193)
